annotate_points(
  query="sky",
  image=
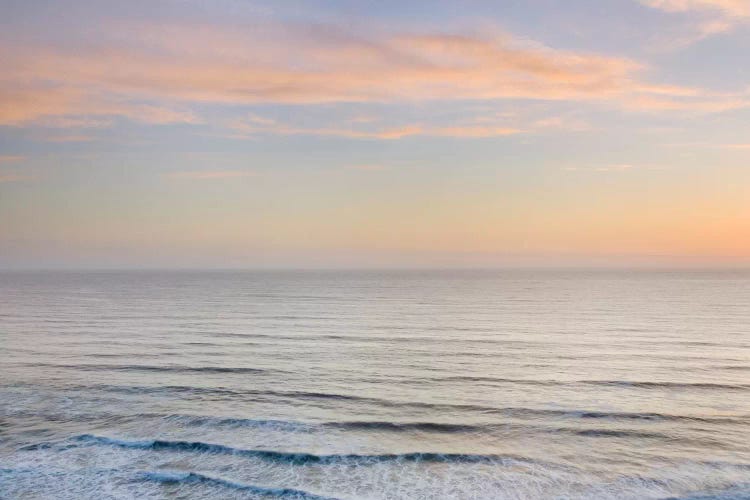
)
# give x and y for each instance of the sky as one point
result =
(264, 134)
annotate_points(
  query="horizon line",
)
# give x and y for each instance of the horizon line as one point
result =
(593, 267)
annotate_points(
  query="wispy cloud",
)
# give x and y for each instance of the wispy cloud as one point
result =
(253, 127)
(163, 72)
(314, 65)
(67, 104)
(701, 104)
(16, 176)
(70, 138)
(178, 64)
(732, 8)
(11, 158)
(714, 145)
(716, 16)
(570, 124)
(68, 122)
(617, 167)
(472, 131)
(210, 174)
(369, 167)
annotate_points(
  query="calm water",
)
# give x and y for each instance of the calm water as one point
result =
(375, 385)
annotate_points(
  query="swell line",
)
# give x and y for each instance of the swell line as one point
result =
(515, 412)
(605, 383)
(287, 425)
(194, 477)
(152, 368)
(446, 427)
(299, 459)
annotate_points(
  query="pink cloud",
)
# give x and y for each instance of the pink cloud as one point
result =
(301, 66)
(176, 65)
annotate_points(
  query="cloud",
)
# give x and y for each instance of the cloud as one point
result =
(150, 74)
(11, 158)
(157, 115)
(210, 174)
(15, 176)
(400, 67)
(718, 16)
(472, 131)
(561, 123)
(618, 167)
(701, 103)
(68, 122)
(291, 65)
(64, 106)
(730, 8)
(605, 168)
(253, 127)
(367, 167)
(710, 145)
(70, 138)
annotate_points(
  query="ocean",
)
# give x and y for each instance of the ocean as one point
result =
(502, 384)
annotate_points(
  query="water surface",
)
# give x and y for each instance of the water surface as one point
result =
(375, 385)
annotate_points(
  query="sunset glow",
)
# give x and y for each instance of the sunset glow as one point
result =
(351, 134)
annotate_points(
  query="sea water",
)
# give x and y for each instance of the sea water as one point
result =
(375, 384)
